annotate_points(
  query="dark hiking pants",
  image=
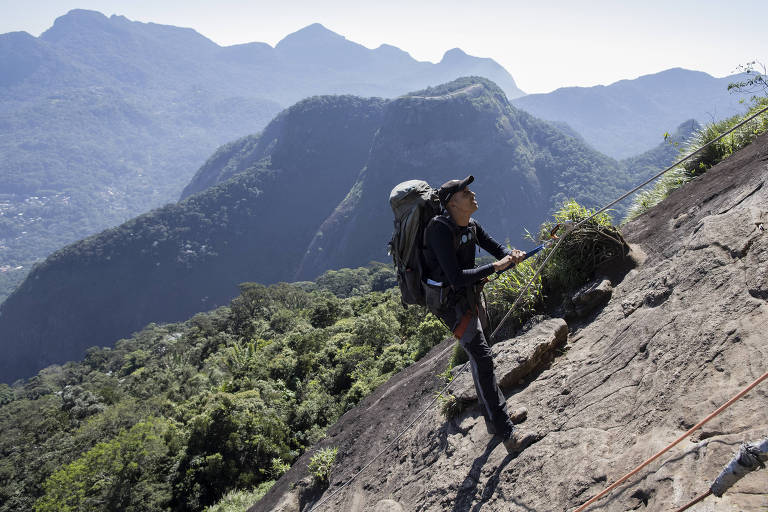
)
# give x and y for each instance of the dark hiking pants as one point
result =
(492, 402)
(472, 340)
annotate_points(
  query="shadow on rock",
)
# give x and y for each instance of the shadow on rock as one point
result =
(468, 489)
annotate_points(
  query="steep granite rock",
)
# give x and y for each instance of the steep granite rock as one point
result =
(682, 333)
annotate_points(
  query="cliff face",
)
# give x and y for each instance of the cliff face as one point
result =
(683, 331)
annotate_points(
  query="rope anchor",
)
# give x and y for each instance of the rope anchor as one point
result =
(750, 457)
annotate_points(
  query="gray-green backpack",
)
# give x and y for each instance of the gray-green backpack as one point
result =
(414, 204)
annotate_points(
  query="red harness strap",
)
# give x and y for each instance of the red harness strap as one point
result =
(459, 331)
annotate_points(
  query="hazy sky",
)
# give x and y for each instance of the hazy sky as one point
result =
(543, 44)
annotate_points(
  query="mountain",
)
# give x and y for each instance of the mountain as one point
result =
(295, 389)
(307, 195)
(629, 116)
(104, 118)
(523, 167)
(655, 160)
(253, 227)
(679, 335)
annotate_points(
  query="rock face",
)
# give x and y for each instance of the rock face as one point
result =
(517, 358)
(589, 297)
(681, 334)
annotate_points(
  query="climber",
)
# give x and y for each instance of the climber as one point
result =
(453, 295)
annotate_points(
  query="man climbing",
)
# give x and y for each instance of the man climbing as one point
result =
(452, 294)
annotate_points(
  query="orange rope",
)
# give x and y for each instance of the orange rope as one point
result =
(691, 431)
(692, 503)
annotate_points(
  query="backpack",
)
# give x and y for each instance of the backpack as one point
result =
(414, 203)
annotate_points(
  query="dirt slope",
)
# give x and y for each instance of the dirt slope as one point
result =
(682, 332)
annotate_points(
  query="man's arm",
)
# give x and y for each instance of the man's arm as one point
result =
(487, 242)
(505, 256)
(440, 240)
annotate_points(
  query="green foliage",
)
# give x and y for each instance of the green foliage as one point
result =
(225, 401)
(325, 313)
(756, 80)
(429, 333)
(450, 407)
(321, 463)
(704, 160)
(233, 442)
(240, 501)
(458, 355)
(582, 251)
(502, 292)
(115, 475)
(279, 468)
(348, 282)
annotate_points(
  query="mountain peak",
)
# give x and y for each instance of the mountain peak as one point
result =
(454, 55)
(82, 17)
(310, 35)
(76, 20)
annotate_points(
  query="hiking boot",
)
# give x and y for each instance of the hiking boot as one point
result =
(517, 441)
(519, 415)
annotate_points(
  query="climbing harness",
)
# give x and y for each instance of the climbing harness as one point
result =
(557, 242)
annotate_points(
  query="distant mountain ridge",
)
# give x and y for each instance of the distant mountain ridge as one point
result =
(104, 118)
(629, 116)
(306, 195)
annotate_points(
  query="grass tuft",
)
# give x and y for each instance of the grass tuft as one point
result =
(706, 159)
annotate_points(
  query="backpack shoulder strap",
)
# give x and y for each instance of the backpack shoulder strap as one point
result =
(446, 221)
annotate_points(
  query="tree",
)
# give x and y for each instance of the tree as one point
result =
(125, 473)
(756, 80)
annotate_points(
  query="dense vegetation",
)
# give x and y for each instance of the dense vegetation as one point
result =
(177, 415)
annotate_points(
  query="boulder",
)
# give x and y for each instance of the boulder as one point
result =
(517, 358)
(588, 298)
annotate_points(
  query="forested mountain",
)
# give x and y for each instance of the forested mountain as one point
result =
(630, 116)
(191, 256)
(307, 195)
(523, 167)
(102, 119)
(646, 164)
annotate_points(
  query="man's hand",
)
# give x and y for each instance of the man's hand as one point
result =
(511, 259)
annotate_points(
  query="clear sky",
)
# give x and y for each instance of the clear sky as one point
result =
(543, 44)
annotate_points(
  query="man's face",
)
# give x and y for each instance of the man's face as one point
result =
(464, 201)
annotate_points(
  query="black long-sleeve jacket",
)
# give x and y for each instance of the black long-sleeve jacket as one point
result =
(450, 252)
